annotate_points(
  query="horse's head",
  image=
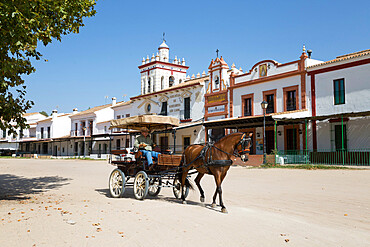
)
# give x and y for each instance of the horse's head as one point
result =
(243, 146)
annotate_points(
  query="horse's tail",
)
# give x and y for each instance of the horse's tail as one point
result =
(179, 175)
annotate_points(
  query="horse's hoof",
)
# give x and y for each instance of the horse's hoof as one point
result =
(184, 202)
(213, 205)
(201, 199)
(223, 210)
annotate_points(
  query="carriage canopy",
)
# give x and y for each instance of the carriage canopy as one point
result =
(152, 122)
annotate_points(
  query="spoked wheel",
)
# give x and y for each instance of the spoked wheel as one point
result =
(141, 185)
(154, 186)
(177, 188)
(117, 182)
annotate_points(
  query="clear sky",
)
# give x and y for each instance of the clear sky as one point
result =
(103, 59)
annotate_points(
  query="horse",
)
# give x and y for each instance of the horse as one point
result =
(214, 159)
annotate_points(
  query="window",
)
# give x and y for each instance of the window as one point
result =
(217, 82)
(118, 144)
(128, 115)
(162, 82)
(186, 142)
(339, 144)
(187, 108)
(247, 101)
(270, 97)
(118, 116)
(164, 109)
(76, 128)
(4, 133)
(339, 93)
(248, 107)
(271, 103)
(149, 85)
(171, 81)
(42, 133)
(291, 100)
(290, 96)
(83, 128)
(48, 132)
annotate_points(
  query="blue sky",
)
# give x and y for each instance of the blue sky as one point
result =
(103, 59)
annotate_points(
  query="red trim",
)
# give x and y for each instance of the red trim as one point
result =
(185, 120)
(337, 120)
(164, 63)
(163, 69)
(159, 48)
(268, 61)
(337, 67)
(313, 106)
(266, 79)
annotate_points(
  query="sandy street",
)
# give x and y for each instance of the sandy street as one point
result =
(66, 203)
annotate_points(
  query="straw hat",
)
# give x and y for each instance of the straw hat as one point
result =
(144, 129)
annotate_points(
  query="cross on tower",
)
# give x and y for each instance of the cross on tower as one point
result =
(217, 52)
(163, 37)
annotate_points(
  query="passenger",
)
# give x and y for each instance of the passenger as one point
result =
(145, 144)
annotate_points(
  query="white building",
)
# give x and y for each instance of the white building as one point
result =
(10, 143)
(340, 100)
(89, 136)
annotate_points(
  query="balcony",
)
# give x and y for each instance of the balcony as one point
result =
(185, 116)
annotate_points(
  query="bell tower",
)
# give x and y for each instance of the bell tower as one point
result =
(160, 72)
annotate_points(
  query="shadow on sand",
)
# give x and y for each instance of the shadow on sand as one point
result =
(129, 194)
(13, 187)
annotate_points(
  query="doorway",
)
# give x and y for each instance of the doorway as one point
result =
(291, 139)
(164, 143)
(270, 141)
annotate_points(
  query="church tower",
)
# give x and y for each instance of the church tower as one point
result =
(160, 72)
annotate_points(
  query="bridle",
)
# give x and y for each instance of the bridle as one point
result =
(243, 142)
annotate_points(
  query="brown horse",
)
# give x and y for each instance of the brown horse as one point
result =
(214, 160)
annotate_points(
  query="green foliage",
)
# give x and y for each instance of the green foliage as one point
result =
(23, 26)
(44, 113)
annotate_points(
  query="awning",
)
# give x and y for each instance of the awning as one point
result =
(152, 122)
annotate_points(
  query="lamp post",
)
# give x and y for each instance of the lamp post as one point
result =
(264, 105)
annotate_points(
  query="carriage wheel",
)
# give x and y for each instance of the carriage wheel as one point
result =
(154, 186)
(117, 182)
(141, 185)
(177, 189)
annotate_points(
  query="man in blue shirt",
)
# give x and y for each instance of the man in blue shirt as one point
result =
(145, 144)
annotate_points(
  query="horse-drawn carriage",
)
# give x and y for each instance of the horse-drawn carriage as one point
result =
(132, 164)
(170, 170)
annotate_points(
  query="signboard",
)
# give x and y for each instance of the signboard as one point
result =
(219, 108)
(217, 98)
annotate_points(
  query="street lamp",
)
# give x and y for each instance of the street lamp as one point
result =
(264, 105)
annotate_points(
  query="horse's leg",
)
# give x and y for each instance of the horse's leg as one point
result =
(223, 208)
(183, 181)
(197, 181)
(217, 176)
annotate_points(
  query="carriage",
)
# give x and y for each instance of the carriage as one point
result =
(131, 165)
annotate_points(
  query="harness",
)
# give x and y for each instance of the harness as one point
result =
(210, 146)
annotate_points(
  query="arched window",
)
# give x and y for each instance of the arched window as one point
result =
(217, 82)
(171, 81)
(162, 82)
(180, 81)
(149, 85)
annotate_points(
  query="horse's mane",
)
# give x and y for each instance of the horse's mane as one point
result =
(226, 136)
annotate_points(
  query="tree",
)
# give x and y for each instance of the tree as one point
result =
(25, 24)
(44, 113)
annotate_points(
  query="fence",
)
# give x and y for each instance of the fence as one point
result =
(358, 157)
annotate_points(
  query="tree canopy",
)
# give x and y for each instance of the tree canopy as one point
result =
(25, 24)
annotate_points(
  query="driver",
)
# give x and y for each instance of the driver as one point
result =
(145, 144)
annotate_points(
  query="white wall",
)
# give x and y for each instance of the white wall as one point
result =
(357, 90)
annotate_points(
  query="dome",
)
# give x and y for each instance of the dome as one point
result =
(163, 45)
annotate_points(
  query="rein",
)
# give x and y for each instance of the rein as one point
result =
(211, 162)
